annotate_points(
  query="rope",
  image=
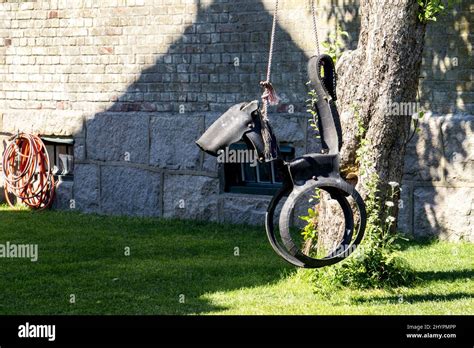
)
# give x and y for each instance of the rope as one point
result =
(315, 26)
(27, 172)
(272, 41)
(269, 96)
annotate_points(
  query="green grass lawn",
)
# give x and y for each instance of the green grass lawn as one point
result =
(84, 255)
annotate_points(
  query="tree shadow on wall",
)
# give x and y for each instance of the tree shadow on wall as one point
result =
(346, 16)
(447, 68)
(218, 61)
(442, 151)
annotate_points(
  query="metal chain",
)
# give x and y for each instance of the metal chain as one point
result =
(315, 25)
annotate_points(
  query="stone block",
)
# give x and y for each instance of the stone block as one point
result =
(118, 137)
(57, 123)
(405, 215)
(444, 212)
(190, 197)
(79, 149)
(64, 195)
(173, 141)
(458, 140)
(130, 191)
(424, 156)
(244, 209)
(288, 128)
(86, 187)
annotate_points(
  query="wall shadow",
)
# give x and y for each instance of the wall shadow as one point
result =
(347, 17)
(442, 152)
(217, 62)
(200, 70)
(447, 68)
(437, 164)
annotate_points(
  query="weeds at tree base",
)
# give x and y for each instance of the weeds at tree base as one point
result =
(379, 264)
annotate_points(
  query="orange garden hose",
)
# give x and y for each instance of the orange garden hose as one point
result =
(27, 172)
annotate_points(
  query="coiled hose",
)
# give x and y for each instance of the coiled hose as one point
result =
(27, 172)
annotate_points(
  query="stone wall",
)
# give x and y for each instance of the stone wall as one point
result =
(438, 196)
(135, 82)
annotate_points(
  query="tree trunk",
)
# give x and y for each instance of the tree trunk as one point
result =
(384, 69)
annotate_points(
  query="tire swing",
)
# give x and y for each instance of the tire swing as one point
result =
(305, 177)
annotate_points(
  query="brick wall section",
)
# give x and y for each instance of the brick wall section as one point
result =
(146, 77)
(82, 56)
(46, 45)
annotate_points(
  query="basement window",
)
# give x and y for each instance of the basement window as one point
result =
(259, 179)
(61, 156)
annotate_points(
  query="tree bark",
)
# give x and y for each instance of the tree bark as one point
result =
(384, 69)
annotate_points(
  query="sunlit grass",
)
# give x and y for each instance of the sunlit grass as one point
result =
(85, 256)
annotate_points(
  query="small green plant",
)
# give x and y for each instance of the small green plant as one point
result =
(335, 43)
(310, 104)
(416, 118)
(430, 9)
(310, 231)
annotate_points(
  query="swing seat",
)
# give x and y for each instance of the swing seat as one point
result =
(240, 122)
(314, 165)
(322, 74)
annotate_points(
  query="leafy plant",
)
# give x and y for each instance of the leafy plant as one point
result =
(430, 9)
(378, 264)
(310, 231)
(310, 104)
(335, 43)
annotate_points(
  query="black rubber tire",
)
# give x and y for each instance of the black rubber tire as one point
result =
(270, 228)
(338, 189)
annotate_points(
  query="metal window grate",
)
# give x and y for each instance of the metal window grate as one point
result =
(61, 156)
(262, 179)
